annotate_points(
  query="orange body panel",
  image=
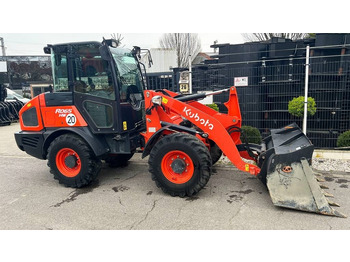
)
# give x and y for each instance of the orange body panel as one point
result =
(34, 103)
(55, 116)
(62, 116)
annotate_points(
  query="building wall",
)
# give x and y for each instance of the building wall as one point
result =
(26, 69)
(163, 60)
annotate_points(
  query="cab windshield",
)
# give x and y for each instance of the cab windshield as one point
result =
(129, 76)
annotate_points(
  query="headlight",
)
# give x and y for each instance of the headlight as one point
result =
(157, 100)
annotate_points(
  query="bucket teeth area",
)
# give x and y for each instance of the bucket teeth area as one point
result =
(300, 189)
(327, 194)
(331, 203)
(320, 179)
(324, 186)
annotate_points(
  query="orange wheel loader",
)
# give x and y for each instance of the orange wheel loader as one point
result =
(100, 110)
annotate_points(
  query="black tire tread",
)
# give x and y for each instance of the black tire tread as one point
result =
(94, 164)
(203, 155)
(215, 153)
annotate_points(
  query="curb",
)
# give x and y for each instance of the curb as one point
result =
(331, 154)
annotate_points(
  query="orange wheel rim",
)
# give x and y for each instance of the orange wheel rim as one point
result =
(177, 167)
(68, 162)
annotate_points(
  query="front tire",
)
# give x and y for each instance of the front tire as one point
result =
(72, 161)
(180, 164)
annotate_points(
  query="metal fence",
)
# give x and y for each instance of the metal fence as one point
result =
(161, 80)
(273, 82)
(275, 74)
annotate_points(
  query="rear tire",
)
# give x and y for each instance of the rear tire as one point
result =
(72, 161)
(215, 152)
(180, 164)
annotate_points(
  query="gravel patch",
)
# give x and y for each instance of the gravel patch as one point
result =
(326, 164)
(322, 164)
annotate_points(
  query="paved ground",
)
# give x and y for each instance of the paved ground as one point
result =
(127, 198)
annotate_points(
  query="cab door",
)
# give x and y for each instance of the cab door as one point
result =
(131, 88)
(93, 87)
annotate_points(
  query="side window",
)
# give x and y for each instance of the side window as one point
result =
(60, 75)
(129, 78)
(101, 114)
(91, 73)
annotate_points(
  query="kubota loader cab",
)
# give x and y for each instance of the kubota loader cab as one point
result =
(100, 109)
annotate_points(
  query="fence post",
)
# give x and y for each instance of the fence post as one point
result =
(189, 64)
(306, 88)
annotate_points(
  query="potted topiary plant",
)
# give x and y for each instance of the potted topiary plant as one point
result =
(213, 106)
(251, 134)
(344, 139)
(296, 106)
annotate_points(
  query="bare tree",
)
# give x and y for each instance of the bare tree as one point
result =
(184, 44)
(118, 38)
(266, 36)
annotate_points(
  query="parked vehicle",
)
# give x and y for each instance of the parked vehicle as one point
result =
(13, 96)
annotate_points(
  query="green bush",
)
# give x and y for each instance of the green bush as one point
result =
(252, 134)
(296, 106)
(213, 106)
(344, 139)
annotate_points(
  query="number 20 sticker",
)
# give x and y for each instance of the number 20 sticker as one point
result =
(71, 119)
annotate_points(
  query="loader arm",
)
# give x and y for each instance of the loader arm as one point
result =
(214, 125)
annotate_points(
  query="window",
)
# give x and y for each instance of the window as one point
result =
(91, 73)
(101, 114)
(130, 79)
(60, 76)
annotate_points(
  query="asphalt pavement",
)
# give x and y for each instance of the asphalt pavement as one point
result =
(127, 198)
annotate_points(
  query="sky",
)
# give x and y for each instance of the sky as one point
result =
(33, 43)
(142, 22)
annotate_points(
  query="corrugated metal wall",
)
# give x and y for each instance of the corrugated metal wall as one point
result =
(163, 60)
